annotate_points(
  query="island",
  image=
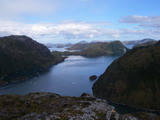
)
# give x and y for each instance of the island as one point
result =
(151, 42)
(96, 49)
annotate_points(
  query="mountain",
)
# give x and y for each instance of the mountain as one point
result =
(21, 54)
(50, 106)
(152, 42)
(135, 42)
(97, 49)
(133, 79)
(50, 45)
(82, 42)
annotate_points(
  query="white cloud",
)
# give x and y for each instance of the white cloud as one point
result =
(71, 30)
(143, 21)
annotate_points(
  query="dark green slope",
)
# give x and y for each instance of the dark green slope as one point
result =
(133, 79)
(21, 53)
(97, 49)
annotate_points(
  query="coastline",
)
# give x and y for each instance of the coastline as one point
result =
(25, 75)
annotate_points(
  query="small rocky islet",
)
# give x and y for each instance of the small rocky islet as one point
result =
(93, 77)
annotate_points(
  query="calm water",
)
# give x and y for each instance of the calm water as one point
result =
(70, 77)
(58, 49)
(62, 49)
(129, 46)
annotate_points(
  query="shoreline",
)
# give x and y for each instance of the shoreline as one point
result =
(25, 75)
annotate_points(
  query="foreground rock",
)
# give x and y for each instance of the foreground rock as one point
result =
(50, 106)
(20, 56)
(133, 79)
(97, 49)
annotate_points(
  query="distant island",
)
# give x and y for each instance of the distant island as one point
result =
(96, 49)
(135, 42)
(146, 43)
(20, 56)
(133, 79)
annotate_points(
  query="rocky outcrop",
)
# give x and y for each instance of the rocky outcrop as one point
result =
(50, 106)
(133, 79)
(21, 54)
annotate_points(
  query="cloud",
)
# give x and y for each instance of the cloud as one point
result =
(143, 21)
(67, 29)
(71, 30)
(14, 8)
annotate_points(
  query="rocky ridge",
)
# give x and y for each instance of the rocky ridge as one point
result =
(50, 106)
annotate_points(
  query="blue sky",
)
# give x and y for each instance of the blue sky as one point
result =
(63, 21)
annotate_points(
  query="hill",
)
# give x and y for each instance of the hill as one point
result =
(100, 49)
(133, 79)
(21, 54)
(97, 49)
(81, 46)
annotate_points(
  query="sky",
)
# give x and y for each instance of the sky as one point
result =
(71, 21)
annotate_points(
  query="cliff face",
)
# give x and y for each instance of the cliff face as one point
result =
(133, 79)
(21, 53)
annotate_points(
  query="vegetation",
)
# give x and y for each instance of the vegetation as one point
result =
(52, 106)
(133, 79)
(48, 105)
(97, 49)
(21, 55)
